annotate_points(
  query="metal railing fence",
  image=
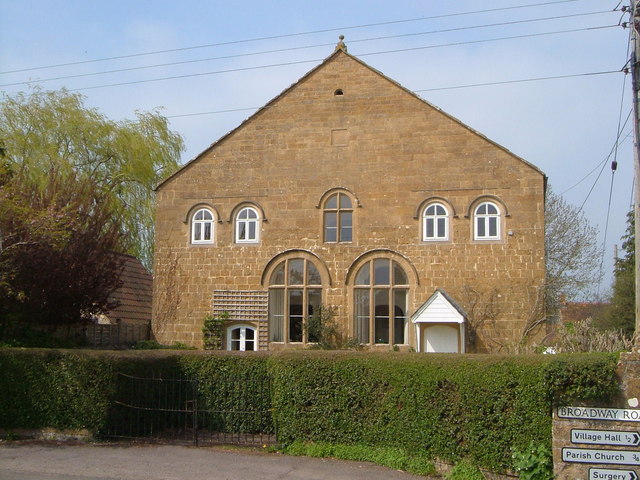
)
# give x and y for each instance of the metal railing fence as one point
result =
(190, 411)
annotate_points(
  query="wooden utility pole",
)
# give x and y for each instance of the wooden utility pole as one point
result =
(635, 81)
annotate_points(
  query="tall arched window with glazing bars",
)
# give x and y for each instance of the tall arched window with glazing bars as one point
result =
(295, 292)
(381, 290)
(338, 218)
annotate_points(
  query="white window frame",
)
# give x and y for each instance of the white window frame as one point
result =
(486, 219)
(202, 223)
(426, 217)
(242, 341)
(246, 222)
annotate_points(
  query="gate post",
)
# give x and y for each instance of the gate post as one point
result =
(195, 411)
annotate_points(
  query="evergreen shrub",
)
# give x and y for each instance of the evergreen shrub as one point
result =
(476, 408)
(452, 407)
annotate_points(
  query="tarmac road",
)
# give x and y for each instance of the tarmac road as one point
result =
(46, 461)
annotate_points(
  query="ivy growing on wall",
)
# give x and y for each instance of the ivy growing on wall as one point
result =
(213, 330)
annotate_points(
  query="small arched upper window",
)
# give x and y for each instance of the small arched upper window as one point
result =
(338, 219)
(202, 226)
(247, 226)
(435, 223)
(487, 221)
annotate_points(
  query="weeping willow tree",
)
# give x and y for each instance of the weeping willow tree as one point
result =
(53, 134)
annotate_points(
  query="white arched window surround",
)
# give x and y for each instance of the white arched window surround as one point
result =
(435, 222)
(202, 226)
(242, 338)
(247, 225)
(487, 219)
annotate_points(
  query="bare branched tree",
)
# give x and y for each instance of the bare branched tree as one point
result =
(572, 252)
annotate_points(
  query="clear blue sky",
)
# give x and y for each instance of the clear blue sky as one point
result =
(566, 127)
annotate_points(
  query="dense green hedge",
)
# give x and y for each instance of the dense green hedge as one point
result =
(76, 389)
(451, 407)
(476, 407)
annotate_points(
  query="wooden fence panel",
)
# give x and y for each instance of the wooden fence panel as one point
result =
(115, 336)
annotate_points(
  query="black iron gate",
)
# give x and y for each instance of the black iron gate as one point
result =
(189, 411)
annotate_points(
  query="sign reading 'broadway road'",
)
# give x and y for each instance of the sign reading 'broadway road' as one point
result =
(612, 438)
(596, 413)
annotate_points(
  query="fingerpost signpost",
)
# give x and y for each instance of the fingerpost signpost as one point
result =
(598, 443)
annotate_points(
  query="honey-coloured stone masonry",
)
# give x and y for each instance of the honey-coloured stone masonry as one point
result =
(333, 193)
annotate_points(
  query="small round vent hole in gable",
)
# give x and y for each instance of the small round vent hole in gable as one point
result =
(338, 92)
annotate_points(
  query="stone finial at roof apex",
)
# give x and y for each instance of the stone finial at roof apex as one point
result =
(341, 45)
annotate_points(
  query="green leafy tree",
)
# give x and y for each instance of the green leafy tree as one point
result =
(623, 301)
(53, 133)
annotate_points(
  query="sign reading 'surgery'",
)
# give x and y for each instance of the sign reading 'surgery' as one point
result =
(611, 474)
(604, 442)
(599, 413)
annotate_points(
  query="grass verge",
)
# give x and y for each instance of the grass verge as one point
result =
(396, 458)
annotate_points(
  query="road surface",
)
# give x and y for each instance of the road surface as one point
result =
(47, 461)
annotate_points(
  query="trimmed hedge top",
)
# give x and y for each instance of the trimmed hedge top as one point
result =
(476, 407)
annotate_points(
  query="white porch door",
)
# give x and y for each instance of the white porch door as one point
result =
(441, 339)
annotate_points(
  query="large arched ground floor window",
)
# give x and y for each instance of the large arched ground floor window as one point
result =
(380, 293)
(295, 293)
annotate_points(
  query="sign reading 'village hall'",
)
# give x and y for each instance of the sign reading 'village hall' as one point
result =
(606, 437)
(628, 437)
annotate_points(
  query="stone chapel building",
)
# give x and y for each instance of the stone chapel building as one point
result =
(348, 190)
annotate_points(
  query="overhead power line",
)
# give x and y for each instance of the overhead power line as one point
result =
(614, 167)
(275, 37)
(470, 42)
(305, 47)
(299, 62)
(521, 80)
(453, 87)
(601, 164)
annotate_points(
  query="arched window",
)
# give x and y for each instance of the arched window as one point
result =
(295, 292)
(338, 219)
(242, 338)
(381, 291)
(247, 226)
(435, 223)
(202, 226)
(487, 221)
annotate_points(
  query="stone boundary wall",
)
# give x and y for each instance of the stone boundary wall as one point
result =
(601, 442)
